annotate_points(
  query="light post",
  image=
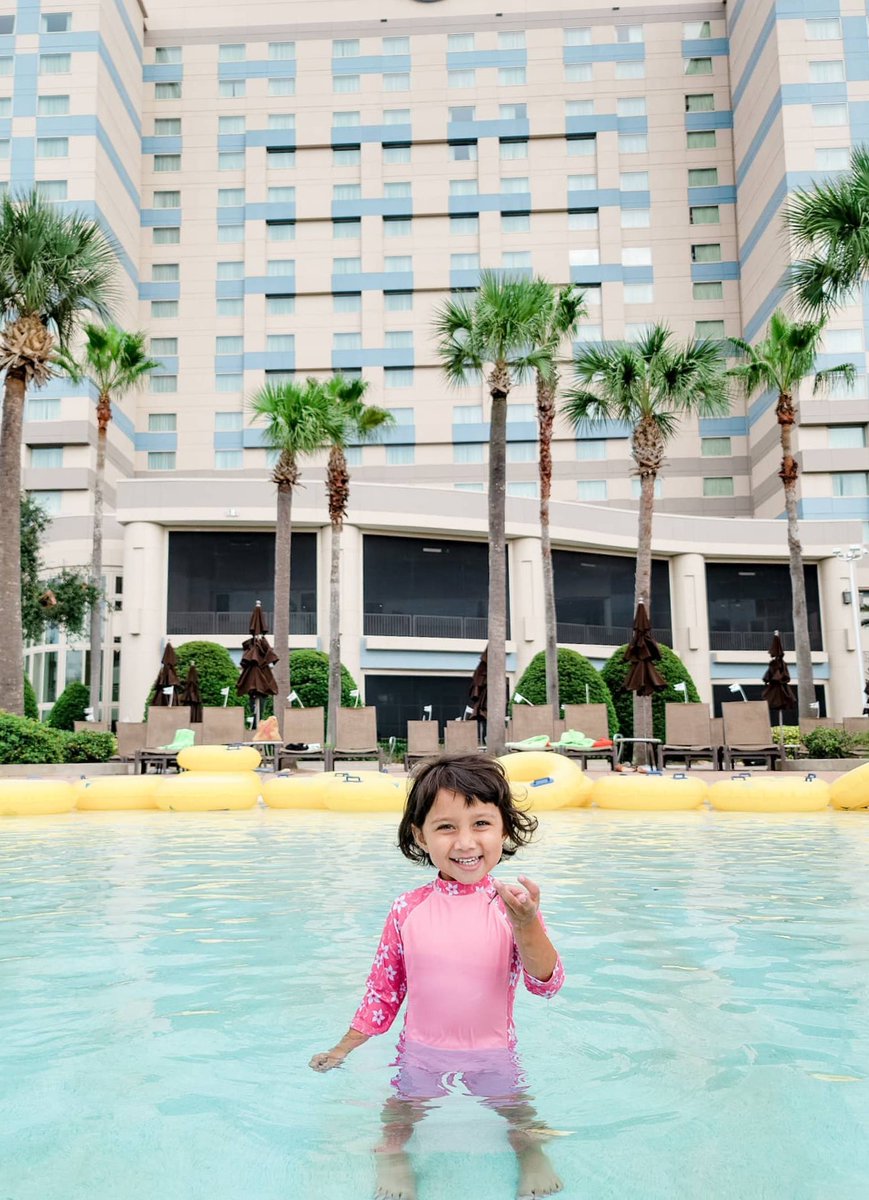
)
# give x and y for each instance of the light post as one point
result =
(851, 556)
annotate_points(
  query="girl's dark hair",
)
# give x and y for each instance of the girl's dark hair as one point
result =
(474, 776)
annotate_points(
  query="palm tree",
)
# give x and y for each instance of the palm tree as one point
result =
(650, 385)
(299, 421)
(497, 329)
(354, 421)
(829, 226)
(558, 319)
(115, 362)
(54, 268)
(779, 363)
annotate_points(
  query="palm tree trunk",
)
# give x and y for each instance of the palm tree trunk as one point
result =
(546, 420)
(499, 384)
(283, 545)
(788, 475)
(334, 633)
(104, 415)
(643, 591)
(11, 639)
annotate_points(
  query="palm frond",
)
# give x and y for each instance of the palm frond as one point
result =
(826, 378)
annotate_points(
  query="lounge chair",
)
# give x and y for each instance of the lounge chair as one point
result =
(748, 736)
(223, 726)
(593, 721)
(423, 741)
(131, 737)
(303, 727)
(688, 735)
(530, 720)
(162, 725)
(461, 737)
(357, 737)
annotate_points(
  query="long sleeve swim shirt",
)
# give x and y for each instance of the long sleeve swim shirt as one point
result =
(449, 948)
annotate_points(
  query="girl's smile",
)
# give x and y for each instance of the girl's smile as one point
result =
(464, 841)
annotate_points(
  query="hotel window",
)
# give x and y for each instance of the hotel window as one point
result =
(280, 121)
(230, 89)
(515, 222)
(703, 177)
(512, 76)
(230, 160)
(347, 227)
(228, 422)
(522, 491)
(843, 341)
(49, 502)
(697, 29)
(709, 252)
(697, 66)
(397, 191)
(579, 108)
(165, 273)
(228, 460)
(396, 81)
(167, 200)
(577, 37)
(582, 183)
(829, 114)
(586, 257)
(163, 163)
(828, 71)
(711, 330)
(229, 345)
(281, 51)
(281, 195)
(468, 452)
(578, 73)
(230, 270)
(281, 343)
(592, 295)
(468, 487)
(636, 256)
(634, 181)
(633, 143)
(230, 308)
(591, 489)
(46, 458)
(5, 150)
(52, 189)
(346, 191)
(515, 185)
(513, 39)
(721, 485)
(464, 224)
(346, 266)
(162, 422)
(230, 197)
(166, 235)
(7, 25)
(591, 449)
(61, 64)
(630, 34)
(285, 86)
(636, 330)
(700, 102)
(521, 452)
(464, 262)
(583, 146)
(167, 91)
(51, 106)
(396, 45)
(460, 42)
(461, 79)
(396, 155)
(702, 139)
(161, 460)
(396, 116)
(468, 414)
(715, 447)
(832, 158)
(347, 302)
(233, 53)
(462, 112)
(630, 70)
(230, 235)
(847, 437)
(229, 382)
(516, 260)
(639, 293)
(513, 112)
(636, 218)
(399, 456)
(850, 483)
(583, 218)
(463, 187)
(396, 227)
(42, 409)
(713, 290)
(631, 106)
(704, 214)
(398, 377)
(345, 83)
(280, 306)
(346, 119)
(398, 301)
(636, 489)
(394, 264)
(462, 151)
(280, 267)
(346, 341)
(278, 159)
(164, 383)
(167, 54)
(163, 347)
(823, 30)
(169, 126)
(345, 48)
(513, 149)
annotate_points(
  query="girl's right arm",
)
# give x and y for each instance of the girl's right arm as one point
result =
(334, 1057)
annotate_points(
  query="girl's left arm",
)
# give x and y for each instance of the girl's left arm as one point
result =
(542, 968)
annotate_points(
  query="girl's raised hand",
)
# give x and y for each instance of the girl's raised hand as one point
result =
(521, 901)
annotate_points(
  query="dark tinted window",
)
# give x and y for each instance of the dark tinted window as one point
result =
(401, 698)
(748, 602)
(594, 598)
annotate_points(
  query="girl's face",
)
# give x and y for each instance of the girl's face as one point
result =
(464, 841)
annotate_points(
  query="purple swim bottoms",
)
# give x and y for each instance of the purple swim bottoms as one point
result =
(425, 1073)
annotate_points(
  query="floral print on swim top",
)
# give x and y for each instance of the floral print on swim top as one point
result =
(449, 948)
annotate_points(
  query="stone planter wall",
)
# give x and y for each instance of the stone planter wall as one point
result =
(805, 765)
(69, 771)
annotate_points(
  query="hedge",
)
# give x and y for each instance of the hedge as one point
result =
(216, 670)
(574, 673)
(69, 707)
(615, 671)
(23, 740)
(89, 746)
(31, 707)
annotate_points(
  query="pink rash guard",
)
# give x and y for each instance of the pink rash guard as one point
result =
(449, 948)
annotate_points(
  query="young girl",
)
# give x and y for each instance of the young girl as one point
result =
(456, 947)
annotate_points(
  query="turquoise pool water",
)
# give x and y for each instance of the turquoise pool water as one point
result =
(165, 979)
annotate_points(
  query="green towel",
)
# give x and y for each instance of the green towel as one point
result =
(540, 741)
(573, 739)
(183, 739)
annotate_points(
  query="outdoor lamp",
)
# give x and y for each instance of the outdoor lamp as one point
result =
(519, 699)
(683, 688)
(737, 687)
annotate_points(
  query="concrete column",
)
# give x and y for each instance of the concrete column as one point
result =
(691, 619)
(837, 623)
(527, 614)
(143, 627)
(351, 600)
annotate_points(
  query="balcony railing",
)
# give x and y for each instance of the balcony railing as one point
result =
(605, 635)
(417, 625)
(753, 640)
(230, 624)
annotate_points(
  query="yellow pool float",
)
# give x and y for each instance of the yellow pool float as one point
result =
(544, 781)
(116, 793)
(770, 794)
(35, 797)
(222, 760)
(649, 793)
(364, 791)
(295, 791)
(203, 791)
(851, 790)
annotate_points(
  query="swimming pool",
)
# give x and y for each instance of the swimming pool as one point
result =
(164, 980)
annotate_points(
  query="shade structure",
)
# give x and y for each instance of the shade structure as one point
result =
(191, 693)
(479, 691)
(167, 677)
(257, 659)
(642, 653)
(778, 693)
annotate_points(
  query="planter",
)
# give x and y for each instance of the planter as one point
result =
(816, 765)
(69, 771)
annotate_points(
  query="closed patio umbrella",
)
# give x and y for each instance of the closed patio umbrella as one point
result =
(778, 692)
(191, 693)
(167, 677)
(478, 694)
(257, 678)
(642, 653)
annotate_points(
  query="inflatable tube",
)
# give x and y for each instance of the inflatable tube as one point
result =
(299, 791)
(543, 781)
(206, 792)
(365, 791)
(770, 794)
(116, 793)
(649, 793)
(223, 760)
(35, 797)
(851, 790)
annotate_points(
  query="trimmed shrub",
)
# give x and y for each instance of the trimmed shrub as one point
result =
(828, 743)
(790, 736)
(309, 678)
(31, 708)
(89, 747)
(69, 707)
(216, 670)
(615, 671)
(23, 740)
(574, 673)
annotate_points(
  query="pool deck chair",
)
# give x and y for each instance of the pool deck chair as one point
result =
(423, 741)
(223, 726)
(530, 720)
(303, 727)
(747, 735)
(162, 726)
(461, 737)
(593, 721)
(357, 736)
(688, 735)
(131, 738)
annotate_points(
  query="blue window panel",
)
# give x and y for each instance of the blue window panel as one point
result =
(611, 52)
(270, 360)
(238, 141)
(824, 362)
(156, 441)
(58, 388)
(396, 435)
(632, 124)
(353, 135)
(705, 47)
(375, 207)
(713, 120)
(230, 364)
(159, 291)
(373, 281)
(229, 439)
(371, 64)
(22, 158)
(160, 216)
(25, 84)
(63, 43)
(168, 365)
(270, 211)
(723, 426)
(6, 127)
(514, 202)
(712, 272)
(611, 273)
(838, 508)
(511, 272)
(469, 278)
(380, 357)
(606, 429)
(608, 198)
(346, 360)
(458, 131)
(253, 439)
(859, 112)
(467, 60)
(258, 285)
(150, 145)
(275, 139)
(230, 216)
(283, 68)
(814, 93)
(521, 431)
(469, 432)
(230, 289)
(163, 72)
(855, 38)
(27, 20)
(712, 195)
(605, 123)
